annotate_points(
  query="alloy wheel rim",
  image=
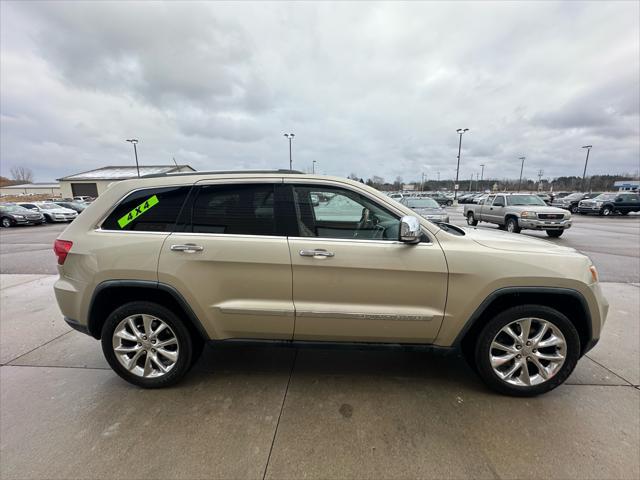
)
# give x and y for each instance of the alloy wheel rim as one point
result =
(6, 222)
(510, 227)
(145, 345)
(527, 352)
(470, 218)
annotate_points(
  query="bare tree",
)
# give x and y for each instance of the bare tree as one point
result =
(22, 174)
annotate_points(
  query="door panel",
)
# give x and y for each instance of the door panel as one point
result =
(230, 260)
(368, 290)
(239, 286)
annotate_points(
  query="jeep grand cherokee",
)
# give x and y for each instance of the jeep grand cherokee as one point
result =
(159, 265)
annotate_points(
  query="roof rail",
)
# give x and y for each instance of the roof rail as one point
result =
(221, 172)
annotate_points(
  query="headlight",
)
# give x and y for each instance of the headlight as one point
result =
(18, 216)
(528, 214)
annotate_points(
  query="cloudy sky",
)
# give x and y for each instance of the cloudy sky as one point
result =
(370, 88)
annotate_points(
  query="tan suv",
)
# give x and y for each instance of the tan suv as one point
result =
(159, 265)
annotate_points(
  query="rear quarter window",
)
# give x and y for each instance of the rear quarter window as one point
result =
(148, 210)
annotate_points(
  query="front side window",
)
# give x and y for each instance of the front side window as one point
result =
(498, 202)
(150, 210)
(332, 212)
(234, 209)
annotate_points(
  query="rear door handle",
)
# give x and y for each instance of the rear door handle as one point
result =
(318, 252)
(187, 248)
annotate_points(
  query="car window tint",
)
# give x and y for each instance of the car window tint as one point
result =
(234, 209)
(498, 202)
(331, 212)
(150, 210)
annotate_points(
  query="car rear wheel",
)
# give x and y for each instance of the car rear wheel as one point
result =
(471, 219)
(512, 225)
(6, 222)
(555, 233)
(574, 209)
(147, 344)
(449, 203)
(527, 350)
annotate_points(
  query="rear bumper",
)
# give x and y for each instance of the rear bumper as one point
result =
(537, 224)
(77, 325)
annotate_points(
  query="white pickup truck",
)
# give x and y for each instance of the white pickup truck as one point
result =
(517, 211)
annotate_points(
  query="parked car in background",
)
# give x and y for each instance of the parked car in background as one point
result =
(51, 211)
(178, 261)
(76, 206)
(570, 202)
(442, 199)
(517, 211)
(427, 208)
(12, 215)
(611, 203)
(545, 197)
(83, 199)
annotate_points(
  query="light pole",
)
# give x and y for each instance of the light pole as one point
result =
(313, 167)
(521, 168)
(460, 132)
(134, 141)
(586, 160)
(482, 174)
(290, 137)
(422, 183)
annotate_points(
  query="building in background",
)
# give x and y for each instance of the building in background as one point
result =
(627, 185)
(51, 189)
(94, 182)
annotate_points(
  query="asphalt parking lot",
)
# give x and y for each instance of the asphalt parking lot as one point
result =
(283, 412)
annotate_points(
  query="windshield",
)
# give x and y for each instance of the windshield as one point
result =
(606, 196)
(48, 206)
(525, 200)
(422, 203)
(573, 196)
(13, 208)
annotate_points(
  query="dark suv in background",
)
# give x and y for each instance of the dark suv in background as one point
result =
(611, 203)
(570, 202)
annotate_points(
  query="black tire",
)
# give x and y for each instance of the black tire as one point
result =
(6, 222)
(471, 219)
(184, 339)
(607, 211)
(573, 208)
(47, 219)
(512, 225)
(491, 329)
(449, 203)
(555, 233)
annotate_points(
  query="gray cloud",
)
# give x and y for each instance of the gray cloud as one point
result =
(371, 89)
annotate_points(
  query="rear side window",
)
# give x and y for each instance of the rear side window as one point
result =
(149, 210)
(234, 209)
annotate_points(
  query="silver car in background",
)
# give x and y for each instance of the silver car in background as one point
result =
(427, 208)
(52, 212)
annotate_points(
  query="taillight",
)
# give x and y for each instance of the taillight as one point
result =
(61, 249)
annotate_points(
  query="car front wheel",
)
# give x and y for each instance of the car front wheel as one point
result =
(147, 344)
(471, 220)
(527, 350)
(607, 211)
(512, 225)
(574, 209)
(6, 222)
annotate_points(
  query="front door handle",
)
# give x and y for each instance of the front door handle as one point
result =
(187, 248)
(318, 252)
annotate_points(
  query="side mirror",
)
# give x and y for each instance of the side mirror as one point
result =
(410, 231)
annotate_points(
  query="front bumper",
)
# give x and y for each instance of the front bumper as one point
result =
(538, 224)
(63, 218)
(28, 221)
(589, 208)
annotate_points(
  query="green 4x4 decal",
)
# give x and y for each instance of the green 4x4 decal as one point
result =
(139, 210)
